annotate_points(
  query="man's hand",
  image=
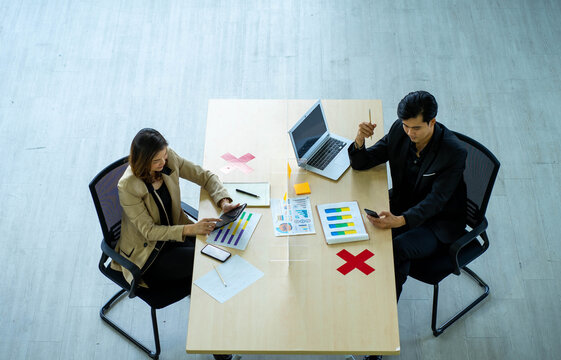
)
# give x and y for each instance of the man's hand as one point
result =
(387, 220)
(365, 130)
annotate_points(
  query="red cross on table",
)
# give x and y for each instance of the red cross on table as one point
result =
(239, 163)
(355, 262)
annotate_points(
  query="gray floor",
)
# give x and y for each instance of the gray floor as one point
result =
(79, 78)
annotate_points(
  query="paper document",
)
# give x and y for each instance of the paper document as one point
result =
(237, 274)
(261, 189)
(235, 235)
(293, 216)
(342, 222)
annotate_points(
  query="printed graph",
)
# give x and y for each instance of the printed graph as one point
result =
(337, 210)
(235, 235)
(342, 222)
(339, 217)
(292, 216)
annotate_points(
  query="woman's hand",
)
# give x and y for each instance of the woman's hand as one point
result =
(202, 227)
(226, 205)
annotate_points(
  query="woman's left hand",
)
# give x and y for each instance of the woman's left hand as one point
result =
(228, 206)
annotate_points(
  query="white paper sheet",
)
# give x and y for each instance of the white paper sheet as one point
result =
(293, 216)
(342, 222)
(237, 234)
(237, 274)
(261, 189)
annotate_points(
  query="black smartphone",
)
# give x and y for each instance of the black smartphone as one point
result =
(230, 216)
(371, 213)
(216, 252)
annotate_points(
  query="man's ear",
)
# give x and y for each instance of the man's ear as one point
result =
(432, 122)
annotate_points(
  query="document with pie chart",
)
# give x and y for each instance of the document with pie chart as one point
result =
(293, 216)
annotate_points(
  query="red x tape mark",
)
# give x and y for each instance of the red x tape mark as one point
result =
(239, 163)
(357, 262)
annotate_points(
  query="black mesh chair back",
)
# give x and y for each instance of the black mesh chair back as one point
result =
(106, 200)
(480, 174)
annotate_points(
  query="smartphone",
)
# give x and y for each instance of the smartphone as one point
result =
(371, 213)
(230, 216)
(216, 252)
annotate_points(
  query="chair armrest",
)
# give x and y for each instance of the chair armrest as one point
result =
(464, 240)
(124, 262)
(189, 210)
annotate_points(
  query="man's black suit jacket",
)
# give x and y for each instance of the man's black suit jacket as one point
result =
(439, 200)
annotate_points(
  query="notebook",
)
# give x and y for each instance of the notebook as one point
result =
(260, 189)
(317, 150)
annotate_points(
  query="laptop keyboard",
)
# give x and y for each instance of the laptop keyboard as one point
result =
(326, 153)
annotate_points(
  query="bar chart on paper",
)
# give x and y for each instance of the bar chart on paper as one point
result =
(235, 235)
(342, 222)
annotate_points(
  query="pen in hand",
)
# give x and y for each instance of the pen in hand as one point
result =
(247, 193)
(370, 119)
(220, 276)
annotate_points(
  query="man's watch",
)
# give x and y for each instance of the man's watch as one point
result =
(358, 147)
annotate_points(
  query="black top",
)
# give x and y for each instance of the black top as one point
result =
(164, 195)
(413, 166)
(439, 190)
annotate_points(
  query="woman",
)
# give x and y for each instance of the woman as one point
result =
(155, 233)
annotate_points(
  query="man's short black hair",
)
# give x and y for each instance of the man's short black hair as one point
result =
(415, 103)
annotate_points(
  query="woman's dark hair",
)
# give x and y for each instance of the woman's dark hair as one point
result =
(145, 145)
(415, 103)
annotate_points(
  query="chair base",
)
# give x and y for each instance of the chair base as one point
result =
(105, 309)
(437, 331)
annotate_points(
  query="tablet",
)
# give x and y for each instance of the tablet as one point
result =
(230, 216)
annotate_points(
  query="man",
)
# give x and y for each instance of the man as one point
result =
(428, 199)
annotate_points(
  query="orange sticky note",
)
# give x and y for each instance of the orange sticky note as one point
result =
(302, 188)
(289, 170)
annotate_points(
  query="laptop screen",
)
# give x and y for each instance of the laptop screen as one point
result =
(309, 131)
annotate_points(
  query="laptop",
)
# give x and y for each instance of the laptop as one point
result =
(317, 150)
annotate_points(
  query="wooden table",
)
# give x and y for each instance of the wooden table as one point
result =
(302, 305)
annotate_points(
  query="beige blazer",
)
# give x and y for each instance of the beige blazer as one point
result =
(140, 226)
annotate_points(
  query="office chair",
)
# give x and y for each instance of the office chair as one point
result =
(479, 174)
(106, 199)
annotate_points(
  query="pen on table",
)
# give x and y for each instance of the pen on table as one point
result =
(247, 193)
(370, 118)
(220, 276)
